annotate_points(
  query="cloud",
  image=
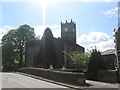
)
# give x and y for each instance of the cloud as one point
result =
(112, 12)
(39, 30)
(4, 30)
(101, 40)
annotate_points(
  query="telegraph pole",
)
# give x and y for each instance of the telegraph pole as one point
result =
(117, 56)
(118, 51)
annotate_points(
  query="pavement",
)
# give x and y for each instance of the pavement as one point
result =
(96, 84)
(21, 79)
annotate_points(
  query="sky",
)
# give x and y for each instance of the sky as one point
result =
(95, 21)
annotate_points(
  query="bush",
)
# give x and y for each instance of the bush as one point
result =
(47, 55)
(96, 63)
(76, 60)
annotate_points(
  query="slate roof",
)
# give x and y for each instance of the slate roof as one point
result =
(108, 52)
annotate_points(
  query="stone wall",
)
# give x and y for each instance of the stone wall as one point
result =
(110, 61)
(107, 76)
(65, 77)
(32, 49)
(59, 53)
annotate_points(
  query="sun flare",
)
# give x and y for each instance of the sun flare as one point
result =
(44, 4)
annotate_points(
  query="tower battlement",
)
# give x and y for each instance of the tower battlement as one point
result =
(67, 22)
(68, 31)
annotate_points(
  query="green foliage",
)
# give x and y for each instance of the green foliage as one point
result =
(76, 59)
(96, 63)
(37, 38)
(7, 55)
(13, 44)
(8, 49)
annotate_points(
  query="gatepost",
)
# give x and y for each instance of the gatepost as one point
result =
(118, 52)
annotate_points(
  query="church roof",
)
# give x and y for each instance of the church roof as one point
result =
(79, 48)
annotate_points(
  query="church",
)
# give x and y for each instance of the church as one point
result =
(66, 43)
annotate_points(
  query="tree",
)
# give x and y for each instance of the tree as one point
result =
(8, 47)
(17, 38)
(80, 59)
(47, 49)
(77, 60)
(96, 63)
(7, 58)
(25, 33)
(67, 59)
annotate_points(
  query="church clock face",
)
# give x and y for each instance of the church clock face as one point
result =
(66, 29)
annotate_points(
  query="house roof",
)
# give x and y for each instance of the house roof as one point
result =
(109, 51)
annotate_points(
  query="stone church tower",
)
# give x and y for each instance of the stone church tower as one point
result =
(68, 35)
(66, 43)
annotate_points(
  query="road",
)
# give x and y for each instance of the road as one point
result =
(14, 80)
